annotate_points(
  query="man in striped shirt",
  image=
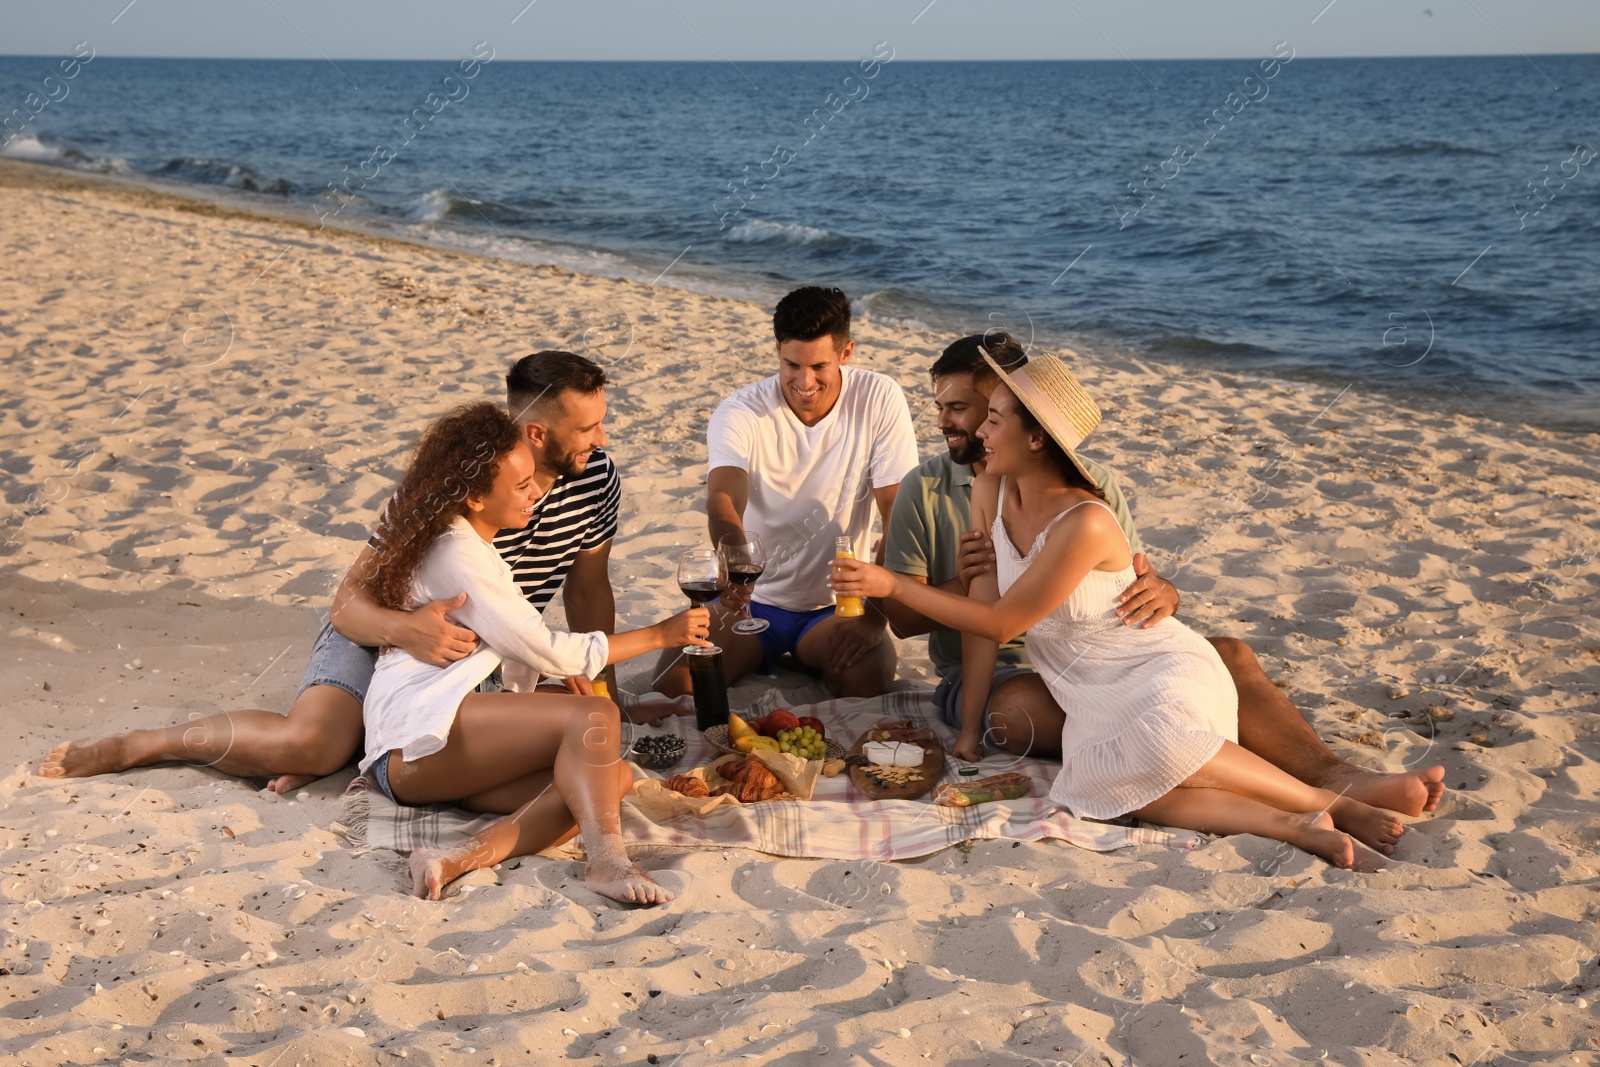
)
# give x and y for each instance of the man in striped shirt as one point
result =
(559, 400)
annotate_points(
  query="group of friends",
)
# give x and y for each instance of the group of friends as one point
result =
(1017, 555)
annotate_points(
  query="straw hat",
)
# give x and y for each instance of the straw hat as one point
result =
(1053, 396)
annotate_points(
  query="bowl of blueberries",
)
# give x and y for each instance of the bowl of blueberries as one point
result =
(657, 752)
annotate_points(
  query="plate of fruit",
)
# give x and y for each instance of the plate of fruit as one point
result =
(776, 731)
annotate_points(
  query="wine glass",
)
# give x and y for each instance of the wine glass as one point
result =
(702, 575)
(747, 558)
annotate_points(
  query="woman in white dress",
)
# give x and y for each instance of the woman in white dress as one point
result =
(550, 762)
(1151, 714)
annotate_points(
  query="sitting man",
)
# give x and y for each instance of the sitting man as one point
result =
(928, 539)
(799, 459)
(559, 400)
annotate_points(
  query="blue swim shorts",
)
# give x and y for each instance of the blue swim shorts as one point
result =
(787, 627)
(947, 697)
(337, 660)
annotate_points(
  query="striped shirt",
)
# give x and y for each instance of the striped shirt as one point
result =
(579, 513)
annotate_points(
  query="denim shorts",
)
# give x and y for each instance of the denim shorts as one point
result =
(787, 627)
(336, 660)
(379, 772)
(947, 697)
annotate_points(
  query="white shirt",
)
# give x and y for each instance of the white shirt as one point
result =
(411, 705)
(811, 484)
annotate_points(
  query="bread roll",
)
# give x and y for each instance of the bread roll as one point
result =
(688, 785)
(750, 781)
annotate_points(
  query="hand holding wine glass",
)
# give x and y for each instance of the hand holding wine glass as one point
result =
(692, 627)
(702, 575)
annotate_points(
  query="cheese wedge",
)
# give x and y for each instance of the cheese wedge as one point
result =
(893, 753)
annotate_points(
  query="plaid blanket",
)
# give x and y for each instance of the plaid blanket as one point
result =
(836, 823)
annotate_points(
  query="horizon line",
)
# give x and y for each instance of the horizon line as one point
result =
(826, 59)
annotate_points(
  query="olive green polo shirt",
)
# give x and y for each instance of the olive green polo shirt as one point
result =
(932, 511)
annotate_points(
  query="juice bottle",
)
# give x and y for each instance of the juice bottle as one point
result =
(601, 689)
(848, 606)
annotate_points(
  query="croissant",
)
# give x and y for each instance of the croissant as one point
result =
(688, 785)
(750, 780)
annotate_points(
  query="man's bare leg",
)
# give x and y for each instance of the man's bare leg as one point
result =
(869, 676)
(1024, 719)
(1272, 728)
(318, 736)
(741, 654)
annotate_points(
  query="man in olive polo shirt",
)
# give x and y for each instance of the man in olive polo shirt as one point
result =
(928, 539)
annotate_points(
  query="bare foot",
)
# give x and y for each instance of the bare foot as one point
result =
(1408, 792)
(284, 783)
(428, 874)
(1374, 827)
(85, 757)
(1314, 832)
(621, 880)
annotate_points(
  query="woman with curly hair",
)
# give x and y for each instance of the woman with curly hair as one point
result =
(548, 761)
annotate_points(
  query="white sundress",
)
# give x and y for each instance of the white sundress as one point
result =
(1144, 709)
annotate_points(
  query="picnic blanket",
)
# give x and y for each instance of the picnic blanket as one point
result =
(836, 823)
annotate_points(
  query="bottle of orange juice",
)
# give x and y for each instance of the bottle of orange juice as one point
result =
(848, 606)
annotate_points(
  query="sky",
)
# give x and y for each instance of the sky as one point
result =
(813, 29)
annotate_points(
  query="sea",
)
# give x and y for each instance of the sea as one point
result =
(1424, 228)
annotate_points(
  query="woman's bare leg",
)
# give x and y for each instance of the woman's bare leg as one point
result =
(501, 738)
(537, 819)
(1238, 770)
(316, 738)
(1217, 811)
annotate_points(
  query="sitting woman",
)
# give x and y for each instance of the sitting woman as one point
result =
(1151, 714)
(550, 762)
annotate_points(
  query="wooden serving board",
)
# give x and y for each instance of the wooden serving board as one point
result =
(932, 761)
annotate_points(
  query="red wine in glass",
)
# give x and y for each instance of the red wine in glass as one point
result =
(747, 558)
(701, 592)
(702, 575)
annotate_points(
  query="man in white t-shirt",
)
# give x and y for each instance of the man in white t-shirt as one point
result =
(801, 459)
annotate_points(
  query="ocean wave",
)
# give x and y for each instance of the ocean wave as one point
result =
(30, 149)
(27, 146)
(892, 306)
(440, 205)
(756, 231)
(1408, 149)
(230, 175)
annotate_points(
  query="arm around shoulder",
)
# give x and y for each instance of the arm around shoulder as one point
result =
(355, 614)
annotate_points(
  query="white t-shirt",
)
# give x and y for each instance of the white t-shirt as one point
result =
(411, 705)
(811, 484)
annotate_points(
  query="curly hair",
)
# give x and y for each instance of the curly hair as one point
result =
(457, 457)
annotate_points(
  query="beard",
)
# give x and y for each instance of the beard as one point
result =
(567, 463)
(968, 451)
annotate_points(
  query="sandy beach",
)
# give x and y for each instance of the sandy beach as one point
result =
(205, 408)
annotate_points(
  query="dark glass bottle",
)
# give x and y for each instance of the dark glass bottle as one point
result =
(710, 687)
